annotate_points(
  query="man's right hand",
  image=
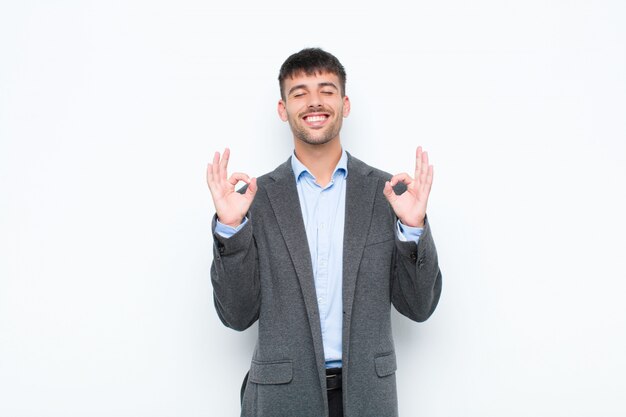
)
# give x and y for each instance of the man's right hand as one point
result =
(231, 206)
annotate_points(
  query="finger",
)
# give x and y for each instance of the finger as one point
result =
(215, 167)
(238, 176)
(429, 178)
(418, 161)
(209, 174)
(224, 164)
(210, 179)
(423, 169)
(403, 177)
(425, 161)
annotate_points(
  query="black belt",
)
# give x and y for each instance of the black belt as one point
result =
(333, 378)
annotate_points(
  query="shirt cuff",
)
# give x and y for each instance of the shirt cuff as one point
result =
(228, 231)
(408, 233)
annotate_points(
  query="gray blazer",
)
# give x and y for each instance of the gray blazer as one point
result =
(264, 273)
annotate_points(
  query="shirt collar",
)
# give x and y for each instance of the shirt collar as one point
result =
(299, 168)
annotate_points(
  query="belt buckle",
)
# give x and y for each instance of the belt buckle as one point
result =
(332, 382)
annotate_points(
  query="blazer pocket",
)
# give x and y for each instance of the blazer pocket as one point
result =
(385, 364)
(274, 372)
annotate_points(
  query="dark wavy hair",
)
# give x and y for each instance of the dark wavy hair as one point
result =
(311, 61)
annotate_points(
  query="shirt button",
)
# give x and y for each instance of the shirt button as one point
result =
(320, 300)
(322, 226)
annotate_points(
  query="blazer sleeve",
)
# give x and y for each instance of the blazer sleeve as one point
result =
(416, 278)
(235, 278)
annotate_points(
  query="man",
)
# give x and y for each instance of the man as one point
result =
(317, 251)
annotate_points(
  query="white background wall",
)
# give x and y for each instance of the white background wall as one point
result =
(109, 112)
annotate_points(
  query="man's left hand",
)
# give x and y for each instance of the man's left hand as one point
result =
(410, 206)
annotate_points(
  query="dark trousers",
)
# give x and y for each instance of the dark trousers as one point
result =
(335, 397)
(335, 403)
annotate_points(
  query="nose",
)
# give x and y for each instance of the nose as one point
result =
(314, 100)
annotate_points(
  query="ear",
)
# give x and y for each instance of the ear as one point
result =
(346, 106)
(282, 111)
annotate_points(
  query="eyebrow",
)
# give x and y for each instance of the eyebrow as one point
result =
(319, 85)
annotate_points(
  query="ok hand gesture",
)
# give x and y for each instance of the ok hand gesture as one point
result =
(231, 206)
(410, 206)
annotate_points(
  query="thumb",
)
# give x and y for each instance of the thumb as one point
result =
(389, 193)
(252, 188)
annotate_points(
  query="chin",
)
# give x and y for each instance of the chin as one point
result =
(314, 141)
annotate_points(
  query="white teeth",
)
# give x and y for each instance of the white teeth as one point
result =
(316, 118)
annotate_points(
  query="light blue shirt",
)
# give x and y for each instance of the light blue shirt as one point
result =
(323, 212)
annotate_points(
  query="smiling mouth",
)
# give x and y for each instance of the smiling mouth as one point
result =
(316, 119)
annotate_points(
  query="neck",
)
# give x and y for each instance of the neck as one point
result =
(321, 160)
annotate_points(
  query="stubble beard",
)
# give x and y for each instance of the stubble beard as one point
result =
(303, 134)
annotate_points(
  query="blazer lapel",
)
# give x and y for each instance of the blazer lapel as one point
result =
(283, 197)
(360, 196)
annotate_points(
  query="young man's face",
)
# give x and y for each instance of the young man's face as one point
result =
(313, 106)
